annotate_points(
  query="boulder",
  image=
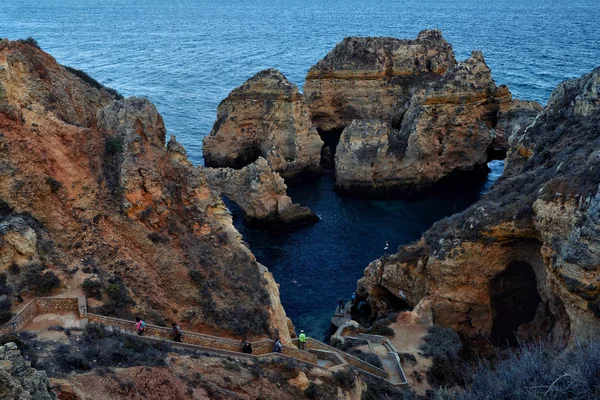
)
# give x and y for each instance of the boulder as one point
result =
(265, 117)
(18, 380)
(261, 194)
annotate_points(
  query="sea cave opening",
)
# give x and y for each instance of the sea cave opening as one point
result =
(330, 139)
(514, 301)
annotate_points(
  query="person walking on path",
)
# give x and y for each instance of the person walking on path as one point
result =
(302, 339)
(176, 332)
(278, 346)
(246, 347)
(140, 326)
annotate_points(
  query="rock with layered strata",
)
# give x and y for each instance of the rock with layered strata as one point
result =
(524, 261)
(266, 117)
(372, 77)
(447, 127)
(261, 194)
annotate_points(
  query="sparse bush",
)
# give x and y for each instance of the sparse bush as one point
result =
(378, 389)
(380, 327)
(92, 288)
(443, 345)
(30, 41)
(54, 184)
(113, 145)
(14, 269)
(345, 379)
(40, 281)
(92, 82)
(312, 391)
(157, 238)
(537, 372)
(118, 299)
(370, 358)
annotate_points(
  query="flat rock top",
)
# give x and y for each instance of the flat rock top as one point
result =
(386, 53)
(267, 82)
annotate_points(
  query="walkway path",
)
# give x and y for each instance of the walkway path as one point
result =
(41, 313)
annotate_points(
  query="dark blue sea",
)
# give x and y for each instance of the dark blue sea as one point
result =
(186, 55)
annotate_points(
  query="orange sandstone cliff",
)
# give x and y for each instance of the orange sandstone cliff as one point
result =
(90, 193)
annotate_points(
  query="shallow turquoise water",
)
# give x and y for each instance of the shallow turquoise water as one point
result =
(186, 55)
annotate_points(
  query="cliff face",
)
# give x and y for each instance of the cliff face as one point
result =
(260, 193)
(450, 125)
(524, 258)
(267, 117)
(87, 184)
(370, 78)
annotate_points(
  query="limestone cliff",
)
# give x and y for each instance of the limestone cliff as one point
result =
(260, 193)
(88, 185)
(371, 77)
(449, 126)
(267, 117)
(18, 380)
(524, 260)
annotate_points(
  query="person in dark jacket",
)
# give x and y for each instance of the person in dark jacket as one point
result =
(246, 347)
(176, 332)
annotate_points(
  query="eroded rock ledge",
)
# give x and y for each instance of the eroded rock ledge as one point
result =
(261, 194)
(526, 257)
(265, 117)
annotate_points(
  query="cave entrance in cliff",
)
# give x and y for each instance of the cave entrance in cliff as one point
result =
(330, 140)
(514, 300)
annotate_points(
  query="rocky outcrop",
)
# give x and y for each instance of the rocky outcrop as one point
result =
(266, 117)
(18, 380)
(372, 77)
(260, 193)
(526, 257)
(87, 183)
(447, 127)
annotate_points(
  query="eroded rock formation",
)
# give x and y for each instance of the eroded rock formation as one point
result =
(450, 125)
(370, 78)
(526, 257)
(260, 193)
(87, 184)
(18, 380)
(267, 117)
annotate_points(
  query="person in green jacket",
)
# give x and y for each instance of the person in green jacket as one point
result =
(302, 339)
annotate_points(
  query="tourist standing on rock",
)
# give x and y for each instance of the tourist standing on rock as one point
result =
(278, 346)
(302, 339)
(176, 332)
(246, 347)
(341, 304)
(140, 326)
(353, 297)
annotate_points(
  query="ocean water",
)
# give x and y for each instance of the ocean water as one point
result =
(186, 55)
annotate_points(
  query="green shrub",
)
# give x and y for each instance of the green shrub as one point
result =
(443, 345)
(92, 82)
(113, 145)
(30, 41)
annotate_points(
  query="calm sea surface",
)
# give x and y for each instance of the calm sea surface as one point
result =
(186, 56)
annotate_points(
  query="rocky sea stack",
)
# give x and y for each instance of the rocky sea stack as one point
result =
(265, 117)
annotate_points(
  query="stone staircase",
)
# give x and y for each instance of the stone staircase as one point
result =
(317, 355)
